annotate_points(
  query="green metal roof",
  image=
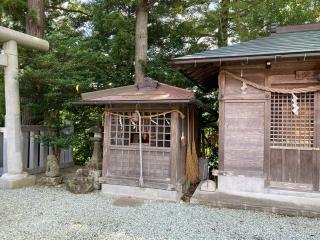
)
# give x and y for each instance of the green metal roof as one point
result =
(276, 44)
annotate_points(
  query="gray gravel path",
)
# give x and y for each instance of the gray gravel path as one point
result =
(53, 213)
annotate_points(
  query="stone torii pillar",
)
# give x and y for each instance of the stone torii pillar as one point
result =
(15, 177)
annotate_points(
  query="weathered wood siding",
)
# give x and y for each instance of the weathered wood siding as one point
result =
(295, 168)
(244, 135)
(126, 162)
(242, 124)
(163, 167)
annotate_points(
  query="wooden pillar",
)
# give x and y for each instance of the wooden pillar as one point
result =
(222, 79)
(106, 143)
(175, 146)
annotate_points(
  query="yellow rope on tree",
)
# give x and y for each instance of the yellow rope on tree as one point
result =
(273, 90)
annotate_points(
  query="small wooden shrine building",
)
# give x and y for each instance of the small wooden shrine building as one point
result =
(269, 106)
(145, 133)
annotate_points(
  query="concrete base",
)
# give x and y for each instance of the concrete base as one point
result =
(265, 202)
(144, 193)
(9, 181)
(240, 184)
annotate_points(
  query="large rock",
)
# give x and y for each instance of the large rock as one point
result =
(81, 183)
(78, 186)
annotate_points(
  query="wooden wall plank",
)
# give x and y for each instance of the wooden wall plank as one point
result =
(276, 165)
(291, 165)
(306, 166)
(244, 136)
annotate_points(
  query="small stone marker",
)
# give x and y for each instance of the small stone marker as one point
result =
(208, 186)
(52, 176)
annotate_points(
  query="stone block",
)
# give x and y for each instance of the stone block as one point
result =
(18, 182)
(240, 184)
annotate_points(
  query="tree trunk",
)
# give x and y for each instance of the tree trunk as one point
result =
(141, 39)
(224, 23)
(35, 27)
(35, 18)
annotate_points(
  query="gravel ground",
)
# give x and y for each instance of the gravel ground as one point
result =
(53, 213)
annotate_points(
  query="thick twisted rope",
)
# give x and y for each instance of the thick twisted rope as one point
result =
(150, 116)
(273, 90)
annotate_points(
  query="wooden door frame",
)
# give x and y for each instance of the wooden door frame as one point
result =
(316, 154)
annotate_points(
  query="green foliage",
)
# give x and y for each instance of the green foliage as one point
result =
(12, 13)
(59, 137)
(56, 142)
(252, 19)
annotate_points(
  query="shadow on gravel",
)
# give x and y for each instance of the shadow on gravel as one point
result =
(128, 202)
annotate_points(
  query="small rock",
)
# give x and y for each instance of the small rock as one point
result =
(50, 181)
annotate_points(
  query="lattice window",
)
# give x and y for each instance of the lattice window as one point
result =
(288, 129)
(156, 132)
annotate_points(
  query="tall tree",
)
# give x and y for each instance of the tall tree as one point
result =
(35, 18)
(141, 39)
(223, 23)
(35, 27)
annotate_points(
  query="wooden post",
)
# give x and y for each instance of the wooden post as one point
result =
(222, 79)
(316, 155)
(267, 110)
(106, 143)
(175, 146)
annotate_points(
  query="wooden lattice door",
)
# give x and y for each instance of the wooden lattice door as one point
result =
(294, 144)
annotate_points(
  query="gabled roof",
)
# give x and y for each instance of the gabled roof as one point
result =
(149, 91)
(276, 44)
(298, 41)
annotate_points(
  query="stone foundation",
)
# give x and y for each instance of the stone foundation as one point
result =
(17, 181)
(240, 184)
(144, 193)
